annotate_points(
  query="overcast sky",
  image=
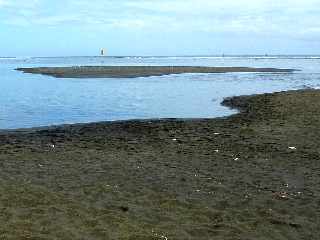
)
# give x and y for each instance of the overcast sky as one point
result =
(159, 27)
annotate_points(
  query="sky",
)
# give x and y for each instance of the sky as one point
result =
(158, 27)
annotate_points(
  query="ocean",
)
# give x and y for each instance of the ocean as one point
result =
(29, 100)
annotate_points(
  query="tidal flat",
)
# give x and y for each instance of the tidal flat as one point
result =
(139, 71)
(252, 175)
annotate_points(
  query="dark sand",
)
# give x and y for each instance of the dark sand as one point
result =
(254, 175)
(137, 71)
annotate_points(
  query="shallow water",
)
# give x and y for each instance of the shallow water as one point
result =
(29, 100)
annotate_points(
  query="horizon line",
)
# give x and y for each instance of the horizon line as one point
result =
(164, 56)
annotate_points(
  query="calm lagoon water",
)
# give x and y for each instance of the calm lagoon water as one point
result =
(29, 100)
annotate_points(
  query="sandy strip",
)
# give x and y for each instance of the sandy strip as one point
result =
(138, 71)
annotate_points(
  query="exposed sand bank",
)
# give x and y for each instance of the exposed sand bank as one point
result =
(254, 175)
(137, 71)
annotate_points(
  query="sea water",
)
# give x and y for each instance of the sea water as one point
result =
(28, 100)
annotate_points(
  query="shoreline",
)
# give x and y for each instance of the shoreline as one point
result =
(138, 71)
(251, 175)
(234, 103)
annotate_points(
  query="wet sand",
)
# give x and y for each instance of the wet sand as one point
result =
(137, 71)
(253, 175)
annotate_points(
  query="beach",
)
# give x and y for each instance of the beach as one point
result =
(253, 175)
(139, 71)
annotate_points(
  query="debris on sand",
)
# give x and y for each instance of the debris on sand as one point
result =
(292, 148)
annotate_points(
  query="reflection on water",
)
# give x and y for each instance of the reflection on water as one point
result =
(33, 100)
